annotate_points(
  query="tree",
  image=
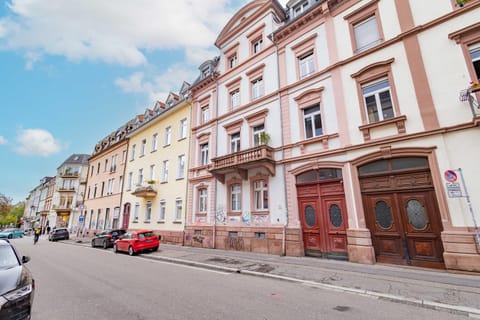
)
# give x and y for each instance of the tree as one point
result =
(5, 204)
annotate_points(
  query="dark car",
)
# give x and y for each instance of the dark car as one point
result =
(59, 234)
(17, 285)
(106, 238)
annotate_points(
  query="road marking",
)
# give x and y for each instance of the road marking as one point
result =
(185, 266)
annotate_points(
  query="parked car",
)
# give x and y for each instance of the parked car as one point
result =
(17, 285)
(106, 238)
(136, 241)
(11, 233)
(59, 234)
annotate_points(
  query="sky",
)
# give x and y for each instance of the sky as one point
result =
(73, 71)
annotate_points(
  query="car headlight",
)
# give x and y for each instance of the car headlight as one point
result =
(15, 294)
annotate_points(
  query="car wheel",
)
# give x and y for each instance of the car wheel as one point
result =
(68, 238)
(93, 243)
(105, 244)
(10, 236)
(155, 248)
(115, 248)
(130, 251)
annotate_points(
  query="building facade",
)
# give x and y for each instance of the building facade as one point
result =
(106, 173)
(365, 123)
(154, 195)
(69, 191)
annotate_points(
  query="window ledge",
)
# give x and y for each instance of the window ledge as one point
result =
(177, 221)
(261, 213)
(146, 221)
(160, 221)
(203, 214)
(398, 121)
(323, 139)
(135, 221)
(182, 178)
(234, 213)
(166, 145)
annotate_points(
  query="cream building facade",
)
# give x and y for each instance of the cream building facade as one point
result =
(155, 191)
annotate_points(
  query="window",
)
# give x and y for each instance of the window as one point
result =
(95, 191)
(300, 8)
(178, 210)
(90, 225)
(205, 114)
(168, 135)
(91, 172)
(235, 142)
(475, 55)
(257, 131)
(148, 211)
(106, 165)
(98, 168)
(204, 154)
(202, 200)
(136, 211)
(232, 61)
(103, 189)
(366, 34)
(113, 168)
(107, 218)
(120, 183)
(181, 167)
(306, 64)
(129, 181)
(235, 197)
(312, 121)
(378, 101)
(257, 45)
(143, 147)
(165, 171)
(132, 153)
(98, 223)
(260, 195)
(152, 172)
(161, 213)
(110, 186)
(154, 142)
(235, 98)
(183, 129)
(124, 156)
(257, 88)
(140, 177)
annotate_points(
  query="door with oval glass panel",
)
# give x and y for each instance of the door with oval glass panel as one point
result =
(405, 228)
(311, 226)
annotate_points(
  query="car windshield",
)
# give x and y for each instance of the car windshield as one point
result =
(146, 234)
(8, 259)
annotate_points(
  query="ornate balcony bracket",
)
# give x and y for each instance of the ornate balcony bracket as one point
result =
(242, 161)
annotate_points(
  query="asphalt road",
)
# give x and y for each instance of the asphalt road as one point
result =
(77, 282)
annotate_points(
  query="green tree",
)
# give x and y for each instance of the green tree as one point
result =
(5, 204)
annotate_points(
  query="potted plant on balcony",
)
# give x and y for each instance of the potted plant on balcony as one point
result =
(264, 138)
(150, 182)
(460, 3)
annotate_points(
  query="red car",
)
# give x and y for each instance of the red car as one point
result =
(136, 241)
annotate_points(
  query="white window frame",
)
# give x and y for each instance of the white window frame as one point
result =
(183, 128)
(165, 171)
(140, 177)
(306, 64)
(132, 153)
(178, 209)
(148, 211)
(205, 113)
(235, 98)
(129, 181)
(162, 210)
(259, 193)
(152, 172)
(375, 89)
(202, 200)
(236, 197)
(367, 33)
(257, 45)
(168, 136)
(136, 211)
(181, 167)
(154, 142)
(143, 147)
(235, 142)
(256, 134)
(257, 88)
(204, 154)
(311, 116)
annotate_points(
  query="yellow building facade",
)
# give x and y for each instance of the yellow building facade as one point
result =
(155, 190)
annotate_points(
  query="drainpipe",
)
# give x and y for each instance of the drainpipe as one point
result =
(285, 225)
(215, 180)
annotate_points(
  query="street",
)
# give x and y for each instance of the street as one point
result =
(79, 282)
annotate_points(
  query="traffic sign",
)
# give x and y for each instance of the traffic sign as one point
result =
(450, 175)
(81, 218)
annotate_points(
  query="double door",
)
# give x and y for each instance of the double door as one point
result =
(324, 221)
(405, 227)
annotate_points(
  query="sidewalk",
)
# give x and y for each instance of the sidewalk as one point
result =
(439, 289)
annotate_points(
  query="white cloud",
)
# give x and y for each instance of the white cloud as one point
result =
(117, 32)
(159, 86)
(36, 142)
(3, 140)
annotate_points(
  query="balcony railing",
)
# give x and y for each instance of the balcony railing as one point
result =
(69, 174)
(242, 161)
(471, 95)
(145, 191)
(66, 189)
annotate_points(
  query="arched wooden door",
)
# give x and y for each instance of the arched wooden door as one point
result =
(401, 211)
(322, 211)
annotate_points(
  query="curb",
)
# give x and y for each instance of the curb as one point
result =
(467, 311)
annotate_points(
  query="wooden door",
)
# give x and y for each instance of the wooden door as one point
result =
(126, 216)
(311, 226)
(405, 228)
(335, 225)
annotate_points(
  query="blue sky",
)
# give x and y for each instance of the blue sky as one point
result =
(72, 71)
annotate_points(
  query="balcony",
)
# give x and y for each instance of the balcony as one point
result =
(240, 162)
(62, 207)
(472, 96)
(145, 191)
(66, 189)
(69, 174)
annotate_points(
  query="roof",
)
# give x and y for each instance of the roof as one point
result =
(76, 159)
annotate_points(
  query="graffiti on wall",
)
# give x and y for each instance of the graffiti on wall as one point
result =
(234, 243)
(220, 216)
(246, 217)
(260, 219)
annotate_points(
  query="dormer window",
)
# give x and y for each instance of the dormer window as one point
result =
(300, 8)
(205, 73)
